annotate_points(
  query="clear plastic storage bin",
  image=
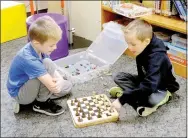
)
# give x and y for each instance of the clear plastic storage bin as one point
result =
(179, 41)
(97, 59)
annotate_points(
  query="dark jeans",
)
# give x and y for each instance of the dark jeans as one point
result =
(129, 82)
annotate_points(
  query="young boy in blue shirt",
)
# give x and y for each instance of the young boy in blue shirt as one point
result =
(33, 77)
(153, 85)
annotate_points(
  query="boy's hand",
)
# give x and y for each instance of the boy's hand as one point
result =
(117, 105)
(54, 84)
(58, 84)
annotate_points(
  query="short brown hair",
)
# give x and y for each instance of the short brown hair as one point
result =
(44, 28)
(142, 29)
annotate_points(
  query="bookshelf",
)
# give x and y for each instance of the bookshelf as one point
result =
(174, 23)
(171, 23)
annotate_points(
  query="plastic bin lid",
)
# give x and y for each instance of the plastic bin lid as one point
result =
(110, 44)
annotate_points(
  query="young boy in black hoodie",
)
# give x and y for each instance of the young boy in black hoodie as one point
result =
(153, 85)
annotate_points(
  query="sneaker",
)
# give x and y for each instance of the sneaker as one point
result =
(16, 108)
(116, 92)
(49, 108)
(145, 111)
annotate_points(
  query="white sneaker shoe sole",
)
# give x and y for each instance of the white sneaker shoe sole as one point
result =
(16, 108)
(47, 113)
(147, 111)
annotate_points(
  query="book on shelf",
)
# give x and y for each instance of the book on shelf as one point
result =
(184, 4)
(166, 7)
(158, 7)
(177, 59)
(181, 8)
(111, 3)
(181, 53)
(174, 11)
(176, 54)
(149, 4)
(179, 40)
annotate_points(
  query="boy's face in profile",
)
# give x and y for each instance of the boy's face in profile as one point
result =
(47, 47)
(135, 45)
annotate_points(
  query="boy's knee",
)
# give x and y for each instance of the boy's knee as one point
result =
(47, 61)
(49, 65)
(67, 87)
(65, 92)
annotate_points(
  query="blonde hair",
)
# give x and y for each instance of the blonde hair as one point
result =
(141, 28)
(43, 29)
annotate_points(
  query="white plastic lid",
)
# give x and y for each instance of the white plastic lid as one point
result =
(110, 44)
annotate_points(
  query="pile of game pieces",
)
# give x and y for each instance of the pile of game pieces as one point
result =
(80, 67)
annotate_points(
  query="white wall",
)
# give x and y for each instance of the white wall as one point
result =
(55, 7)
(86, 18)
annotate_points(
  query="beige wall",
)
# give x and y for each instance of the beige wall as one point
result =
(41, 5)
(86, 18)
(54, 6)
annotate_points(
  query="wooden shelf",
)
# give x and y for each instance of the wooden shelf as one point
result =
(108, 15)
(174, 24)
(180, 69)
(106, 8)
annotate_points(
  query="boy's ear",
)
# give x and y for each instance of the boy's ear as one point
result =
(35, 42)
(147, 41)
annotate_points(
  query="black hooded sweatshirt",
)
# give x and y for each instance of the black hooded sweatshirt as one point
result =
(154, 72)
